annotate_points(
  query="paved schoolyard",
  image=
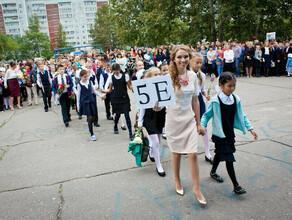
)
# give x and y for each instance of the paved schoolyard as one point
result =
(48, 171)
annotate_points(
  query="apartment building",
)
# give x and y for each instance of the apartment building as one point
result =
(76, 16)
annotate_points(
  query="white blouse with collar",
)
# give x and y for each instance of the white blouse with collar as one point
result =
(227, 100)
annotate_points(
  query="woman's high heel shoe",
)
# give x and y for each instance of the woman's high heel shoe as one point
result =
(180, 191)
(202, 202)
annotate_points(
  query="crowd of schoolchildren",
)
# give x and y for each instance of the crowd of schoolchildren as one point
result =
(74, 82)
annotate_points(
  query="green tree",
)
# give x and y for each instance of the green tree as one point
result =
(34, 24)
(35, 43)
(61, 37)
(102, 32)
(7, 46)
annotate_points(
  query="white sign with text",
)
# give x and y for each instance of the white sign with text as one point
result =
(151, 90)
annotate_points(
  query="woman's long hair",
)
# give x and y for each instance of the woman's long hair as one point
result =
(173, 68)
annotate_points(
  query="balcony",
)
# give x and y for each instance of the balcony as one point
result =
(9, 6)
(11, 19)
(9, 12)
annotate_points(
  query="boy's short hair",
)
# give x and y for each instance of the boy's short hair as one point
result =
(60, 66)
(107, 64)
(83, 72)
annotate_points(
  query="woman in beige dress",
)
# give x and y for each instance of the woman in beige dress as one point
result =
(183, 119)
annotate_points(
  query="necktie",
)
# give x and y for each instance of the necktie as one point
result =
(62, 80)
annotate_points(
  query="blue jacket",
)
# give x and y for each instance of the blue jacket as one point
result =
(214, 111)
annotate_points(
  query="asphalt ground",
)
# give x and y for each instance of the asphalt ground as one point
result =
(48, 171)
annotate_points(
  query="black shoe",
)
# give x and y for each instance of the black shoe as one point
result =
(96, 124)
(209, 160)
(152, 158)
(50, 106)
(110, 118)
(116, 131)
(162, 174)
(46, 110)
(67, 124)
(123, 128)
(79, 117)
(216, 177)
(239, 190)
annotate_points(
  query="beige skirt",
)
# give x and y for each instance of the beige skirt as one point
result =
(181, 130)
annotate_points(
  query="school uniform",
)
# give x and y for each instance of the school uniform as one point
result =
(74, 90)
(227, 114)
(120, 98)
(94, 81)
(44, 80)
(85, 100)
(65, 96)
(103, 79)
(99, 71)
(153, 121)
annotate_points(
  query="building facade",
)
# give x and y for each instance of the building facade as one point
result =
(76, 17)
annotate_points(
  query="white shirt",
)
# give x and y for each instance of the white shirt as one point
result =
(267, 51)
(10, 74)
(123, 62)
(59, 79)
(139, 74)
(101, 80)
(228, 55)
(227, 100)
(86, 84)
(110, 81)
(107, 81)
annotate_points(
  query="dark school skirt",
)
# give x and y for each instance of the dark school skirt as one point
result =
(14, 87)
(224, 149)
(121, 108)
(249, 63)
(267, 63)
(202, 105)
(88, 109)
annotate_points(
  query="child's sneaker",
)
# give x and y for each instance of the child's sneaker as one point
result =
(93, 138)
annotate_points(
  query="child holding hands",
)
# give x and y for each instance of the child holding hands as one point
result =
(226, 111)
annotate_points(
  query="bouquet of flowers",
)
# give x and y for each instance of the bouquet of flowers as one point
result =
(61, 89)
(24, 72)
(137, 137)
(212, 81)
